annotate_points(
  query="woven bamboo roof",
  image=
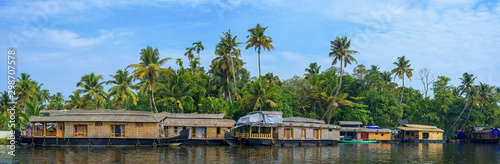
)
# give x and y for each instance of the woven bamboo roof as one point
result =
(267, 112)
(349, 123)
(356, 129)
(195, 115)
(313, 125)
(93, 112)
(303, 120)
(420, 126)
(94, 118)
(199, 122)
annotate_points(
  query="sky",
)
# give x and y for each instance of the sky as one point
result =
(57, 42)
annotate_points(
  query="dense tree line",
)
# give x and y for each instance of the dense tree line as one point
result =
(368, 95)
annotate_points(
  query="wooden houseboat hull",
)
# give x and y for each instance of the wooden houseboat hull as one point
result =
(205, 142)
(85, 141)
(414, 140)
(484, 140)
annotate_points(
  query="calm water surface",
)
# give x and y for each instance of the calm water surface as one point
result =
(342, 153)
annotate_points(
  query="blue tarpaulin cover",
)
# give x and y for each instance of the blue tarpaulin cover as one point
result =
(373, 127)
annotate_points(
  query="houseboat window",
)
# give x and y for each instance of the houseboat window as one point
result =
(51, 128)
(139, 124)
(117, 130)
(175, 130)
(426, 136)
(200, 133)
(317, 134)
(382, 134)
(303, 134)
(329, 130)
(218, 130)
(183, 128)
(80, 131)
(38, 129)
(61, 126)
(288, 133)
(98, 123)
(376, 133)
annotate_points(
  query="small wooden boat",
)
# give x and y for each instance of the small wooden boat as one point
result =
(101, 127)
(357, 141)
(269, 128)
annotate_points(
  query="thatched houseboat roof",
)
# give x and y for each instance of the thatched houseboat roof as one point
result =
(349, 123)
(303, 120)
(362, 129)
(416, 127)
(94, 118)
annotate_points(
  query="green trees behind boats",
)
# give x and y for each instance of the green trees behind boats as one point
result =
(365, 94)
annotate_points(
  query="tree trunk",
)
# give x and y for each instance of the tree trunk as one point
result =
(229, 91)
(402, 93)
(467, 119)
(336, 93)
(259, 66)
(150, 103)
(234, 75)
(125, 104)
(465, 107)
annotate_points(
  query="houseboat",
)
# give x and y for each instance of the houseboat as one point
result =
(355, 132)
(101, 127)
(206, 129)
(419, 134)
(484, 134)
(269, 128)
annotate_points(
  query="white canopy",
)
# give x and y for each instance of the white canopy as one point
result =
(260, 117)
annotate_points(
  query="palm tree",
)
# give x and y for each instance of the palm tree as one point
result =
(313, 70)
(174, 91)
(485, 93)
(194, 63)
(474, 102)
(259, 40)
(227, 45)
(92, 88)
(221, 66)
(337, 103)
(257, 95)
(25, 90)
(386, 76)
(149, 69)
(198, 47)
(402, 68)
(44, 96)
(122, 91)
(189, 53)
(56, 102)
(77, 102)
(465, 87)
(340, 52)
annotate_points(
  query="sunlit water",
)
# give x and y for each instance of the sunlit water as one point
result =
(341, 153)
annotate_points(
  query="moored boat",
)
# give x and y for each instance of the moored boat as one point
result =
(415, 133)
(355, 132)
(269, 128)
(484, 134)
(101, 127)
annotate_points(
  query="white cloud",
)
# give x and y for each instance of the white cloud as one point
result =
(68, 39)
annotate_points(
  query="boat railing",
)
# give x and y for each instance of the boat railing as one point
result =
(261, 135)
(50, 133)
(38, 134)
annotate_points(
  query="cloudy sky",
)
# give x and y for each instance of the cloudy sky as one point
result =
(59, 41)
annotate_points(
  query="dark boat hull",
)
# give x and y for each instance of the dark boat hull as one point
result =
(205, 142)
(484, 140)
(39, 141)
(270, 142)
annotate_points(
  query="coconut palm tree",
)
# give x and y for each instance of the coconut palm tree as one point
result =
(257, 95)
(227, 45)
(340, 52)
(44, 96)
(402, 68)
(465, 87)
(77, 102)
(25, 90)
(121, 92)
(222, 65)
(341, 101)
(473, 102)
(485, 93)
(148, 70)
(259, 40)
(194, 63)
(174, 91)
(198, 47)
(189, 53)
(92, 88)
(313, 70)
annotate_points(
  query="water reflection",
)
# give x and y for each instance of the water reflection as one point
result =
(342, 153)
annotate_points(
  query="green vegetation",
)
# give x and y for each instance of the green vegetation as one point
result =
(366, 95)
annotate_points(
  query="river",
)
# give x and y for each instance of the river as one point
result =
(341, 153)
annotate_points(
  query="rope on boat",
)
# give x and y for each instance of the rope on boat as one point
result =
(109, 144)
(137, 144)
(283, 143)
(33, 144)
(154, 144)
(301, 143)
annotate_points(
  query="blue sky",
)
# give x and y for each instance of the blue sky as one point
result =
(59, 41)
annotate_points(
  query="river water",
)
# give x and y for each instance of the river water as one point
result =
(341, 153)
